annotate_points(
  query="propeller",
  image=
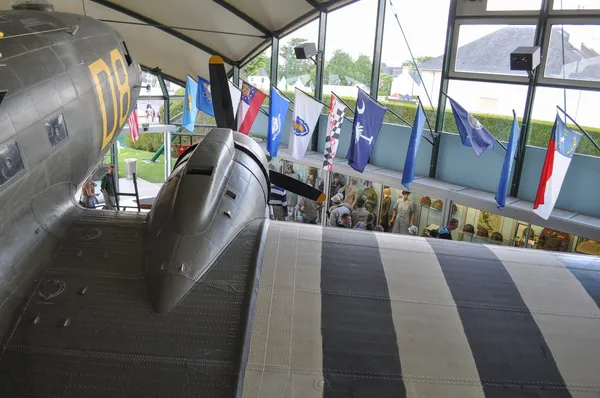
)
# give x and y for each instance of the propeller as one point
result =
(298, 187)
(223, 109)
(221, 96)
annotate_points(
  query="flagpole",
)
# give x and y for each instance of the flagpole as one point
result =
(343, 102)
(501, 144)
(580, 128)
(321, 102)
(426, 118)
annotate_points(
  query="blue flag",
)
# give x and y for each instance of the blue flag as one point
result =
(509, 162)
(189, 104)
(368, 118)
(472, 133)
(204, 99)
(408, 174)
(278, 108)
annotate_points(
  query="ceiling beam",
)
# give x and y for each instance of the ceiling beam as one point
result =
(242, 15)
(168, 30)
(316, 5)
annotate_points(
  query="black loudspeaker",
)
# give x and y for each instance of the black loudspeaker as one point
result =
(525, 58)
(305, 50)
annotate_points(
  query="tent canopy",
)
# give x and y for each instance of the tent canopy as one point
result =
(179, 36)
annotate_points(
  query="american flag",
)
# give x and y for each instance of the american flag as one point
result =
(134, 128)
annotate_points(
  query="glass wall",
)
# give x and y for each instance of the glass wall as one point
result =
(481, 226)
(258, 71)
(292, 72)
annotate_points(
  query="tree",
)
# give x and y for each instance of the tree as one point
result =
(341, 64)
(361, 69)
(419, 60)
(261, 61)
(289, 65)
(385, 84)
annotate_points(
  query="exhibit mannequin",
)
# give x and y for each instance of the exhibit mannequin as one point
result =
(370, 196)
(403, 215)
(351, 192)
(386, 204)
(292, 198)
(553, 240)
(337, 183)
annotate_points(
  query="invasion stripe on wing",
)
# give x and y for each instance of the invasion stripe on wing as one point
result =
(510, 351)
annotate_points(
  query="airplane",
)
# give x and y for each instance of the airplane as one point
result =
(206, 296)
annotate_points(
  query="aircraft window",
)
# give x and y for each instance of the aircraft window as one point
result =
(126, 53)
(2, 95)
(231, 194)
(57, 130)
(203, 171)
(11, 162)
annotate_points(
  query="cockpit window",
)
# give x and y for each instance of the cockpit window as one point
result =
(57, 130)
(11, 162)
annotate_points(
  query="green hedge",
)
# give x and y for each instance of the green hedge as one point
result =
(498, 125)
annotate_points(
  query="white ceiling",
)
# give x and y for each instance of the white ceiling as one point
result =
(188, 54)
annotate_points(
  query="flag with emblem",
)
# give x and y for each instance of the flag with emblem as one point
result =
(337, 110)
(134, 127)
(278, 108)
(561, 148)
(368, 119)
(251, 101)
(306, 114)
(472, 133)
(189, 104)
(204, 99)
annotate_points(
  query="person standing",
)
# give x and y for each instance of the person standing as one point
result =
(338, 210)
(361, 213)
(278, 203)
(107, 185)
(403, 215)
(90, 193)
(446, 232)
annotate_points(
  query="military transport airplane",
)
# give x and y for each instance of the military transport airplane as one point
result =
(205, 296)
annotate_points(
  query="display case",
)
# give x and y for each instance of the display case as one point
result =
(427, 211)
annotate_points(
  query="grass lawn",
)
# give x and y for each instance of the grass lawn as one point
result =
(151, 172)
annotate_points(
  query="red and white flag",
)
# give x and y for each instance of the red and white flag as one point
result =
(134, 128)
(337, 111)
(561, 148)
(251, 100)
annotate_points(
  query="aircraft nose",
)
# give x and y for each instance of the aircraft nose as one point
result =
(166, 290)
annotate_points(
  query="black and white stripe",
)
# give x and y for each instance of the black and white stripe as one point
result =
(348, 313)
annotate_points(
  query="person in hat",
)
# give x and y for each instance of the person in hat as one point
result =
(338, 210)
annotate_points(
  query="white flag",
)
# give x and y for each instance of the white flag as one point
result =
(236, 94)
(334, 127)
(306, 115)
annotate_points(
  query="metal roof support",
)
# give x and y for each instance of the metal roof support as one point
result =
(274, 61)
(441, 110)
(320, 72)
(242, 15)
(527, 114)
(377, 48)
(171, 31)
(316, 5)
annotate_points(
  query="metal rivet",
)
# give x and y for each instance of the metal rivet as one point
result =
(65, 322)
(83, 290)
(36, 320)
(227, 213)
(182, 268)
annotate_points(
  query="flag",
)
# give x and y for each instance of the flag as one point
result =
(236, 95)
(472, 133)
(250, 103)
(368, 118)
(509, 161)
(189, 104)
(561, 148)
(134, 127)
(337, 110)
(408, 174)
(278, 109)
(306, 114)
(204, 99)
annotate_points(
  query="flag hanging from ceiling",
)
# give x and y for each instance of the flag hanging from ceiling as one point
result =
(306, 115)
(472, 133)
(337, 110)
(278, 108)
(251, 100)
(236, 96)
(189, 104)
(509, 162)
(368, 119)
(408, 174)
(561, 148)
(134, 127)
(204, 100)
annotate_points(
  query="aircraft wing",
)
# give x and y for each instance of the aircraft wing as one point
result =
(304, 311)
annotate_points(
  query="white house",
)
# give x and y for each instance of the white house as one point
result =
(260, 80)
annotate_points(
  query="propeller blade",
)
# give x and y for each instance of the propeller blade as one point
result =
(298, 187)
(221, 96)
